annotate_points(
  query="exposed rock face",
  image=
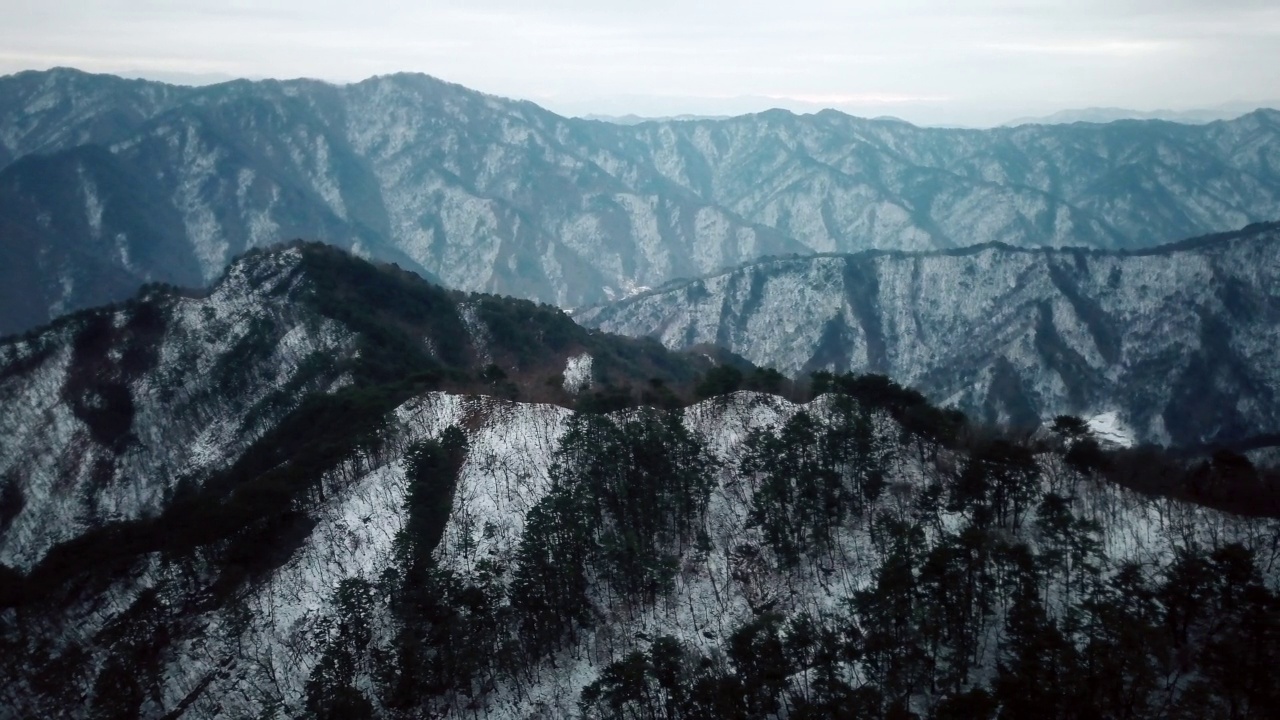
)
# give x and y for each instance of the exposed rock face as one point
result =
(109, 183)
(1179, 340)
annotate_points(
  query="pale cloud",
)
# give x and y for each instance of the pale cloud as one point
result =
(979, 61)
(837, 99)
(1086, 47)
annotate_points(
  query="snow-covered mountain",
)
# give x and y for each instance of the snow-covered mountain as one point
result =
(106, 184)
(1178, 340)
(482, 193)
(111, 412)
(1226, 111)
(254, 655)
(306, 493)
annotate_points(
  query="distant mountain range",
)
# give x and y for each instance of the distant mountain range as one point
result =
(108, 183)
(1178, 340)
(631, 119)
(1194, 116)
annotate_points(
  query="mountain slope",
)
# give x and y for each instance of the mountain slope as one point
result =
(477, 191)
(838, 183)
(112, 412)
(197, 651)
(305, 493)
(496, 195)
(42, 112)
(1176, 339)
(83, 228)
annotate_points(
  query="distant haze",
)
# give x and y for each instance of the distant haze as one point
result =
(927, 61)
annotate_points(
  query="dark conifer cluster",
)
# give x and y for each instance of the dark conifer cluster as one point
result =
(991, 594)
(1017, 612)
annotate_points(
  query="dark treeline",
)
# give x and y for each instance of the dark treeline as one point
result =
(1015, 611)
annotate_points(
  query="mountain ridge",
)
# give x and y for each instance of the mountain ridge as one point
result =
(307, 492)
(1228, 111)
(1190, 243)
(112, 409)
(280, 628)
(1048, 331)
(489, 194)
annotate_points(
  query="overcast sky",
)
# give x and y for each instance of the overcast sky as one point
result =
(929, 61)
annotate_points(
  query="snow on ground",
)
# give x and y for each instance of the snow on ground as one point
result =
(714, 592)
(1126, 317)
(507, 469)
(184, 422)
(505, 473)
(1110, 430)
(717, 591)
(577, 373)
(476, 330)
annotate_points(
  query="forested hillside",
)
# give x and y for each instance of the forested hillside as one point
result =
(114, 413)
(325, 488)
(1173, 341)
(118, 183)
(862, 555)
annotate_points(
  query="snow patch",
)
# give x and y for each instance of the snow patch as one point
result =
(476, 329)
(1110, 430)
(92, 205)
(577, 373)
